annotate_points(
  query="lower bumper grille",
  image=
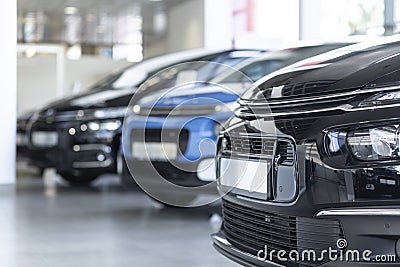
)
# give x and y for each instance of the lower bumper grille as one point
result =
(252, 230)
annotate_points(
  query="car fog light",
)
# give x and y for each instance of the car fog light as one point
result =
(375, 143)
(101, 157)
(94, 126)
(110, 125)
(72, 131)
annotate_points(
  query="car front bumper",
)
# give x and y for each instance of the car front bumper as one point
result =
(77, 148)
(368, 228)
(363, 211)
(198, 148)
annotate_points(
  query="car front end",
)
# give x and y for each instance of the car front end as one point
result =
(175, 136)
(77, 143)
(309, 166)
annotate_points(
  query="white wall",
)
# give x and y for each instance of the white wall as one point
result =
(37, 77)
(8, 22)
(186, 26)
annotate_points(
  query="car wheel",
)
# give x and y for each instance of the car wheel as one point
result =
(78, 179)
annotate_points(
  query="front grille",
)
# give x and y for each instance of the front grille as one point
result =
(259, 147)
(250, 230)
(296, 104)
(249, 145)
(307, 88)
(180, 137)
(303, 106)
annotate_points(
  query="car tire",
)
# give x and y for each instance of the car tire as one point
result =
(80, 179)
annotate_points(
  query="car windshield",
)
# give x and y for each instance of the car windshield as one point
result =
(130, 77)
(254, 69)
(200, 71)
(135, 75)
(251, 72)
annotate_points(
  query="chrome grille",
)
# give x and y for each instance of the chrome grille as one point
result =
(249, 146)
(304, 104)
(259, 147)
(306, 88)
(250, 230)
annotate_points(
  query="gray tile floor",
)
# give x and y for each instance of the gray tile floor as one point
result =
(104, 225)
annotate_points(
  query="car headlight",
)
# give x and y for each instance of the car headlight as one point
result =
(109, 113)
(375, 143)
(226, 107)
(106, 125)
(385, 98)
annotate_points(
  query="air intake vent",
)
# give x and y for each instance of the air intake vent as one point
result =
(286, 152)
(249, 146)
(250, 230)
(309, 88)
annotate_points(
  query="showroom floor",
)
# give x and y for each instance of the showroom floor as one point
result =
(105, 225)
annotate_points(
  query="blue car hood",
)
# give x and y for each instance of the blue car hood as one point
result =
(190, 95)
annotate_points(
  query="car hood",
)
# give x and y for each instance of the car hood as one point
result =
(192, 95)
(349, 68)
(93, 99)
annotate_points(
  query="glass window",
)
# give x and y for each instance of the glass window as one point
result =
(254, 71)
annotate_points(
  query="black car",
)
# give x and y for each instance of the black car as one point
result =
(310, 164)
(80, 136)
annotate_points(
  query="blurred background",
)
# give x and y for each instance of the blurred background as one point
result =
(58, 48)
(77, 42)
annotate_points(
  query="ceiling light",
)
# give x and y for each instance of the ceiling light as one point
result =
(70, 10)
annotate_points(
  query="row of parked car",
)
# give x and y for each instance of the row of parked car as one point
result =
(308, 161)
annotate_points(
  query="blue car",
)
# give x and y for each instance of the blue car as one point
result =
(172, 128)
